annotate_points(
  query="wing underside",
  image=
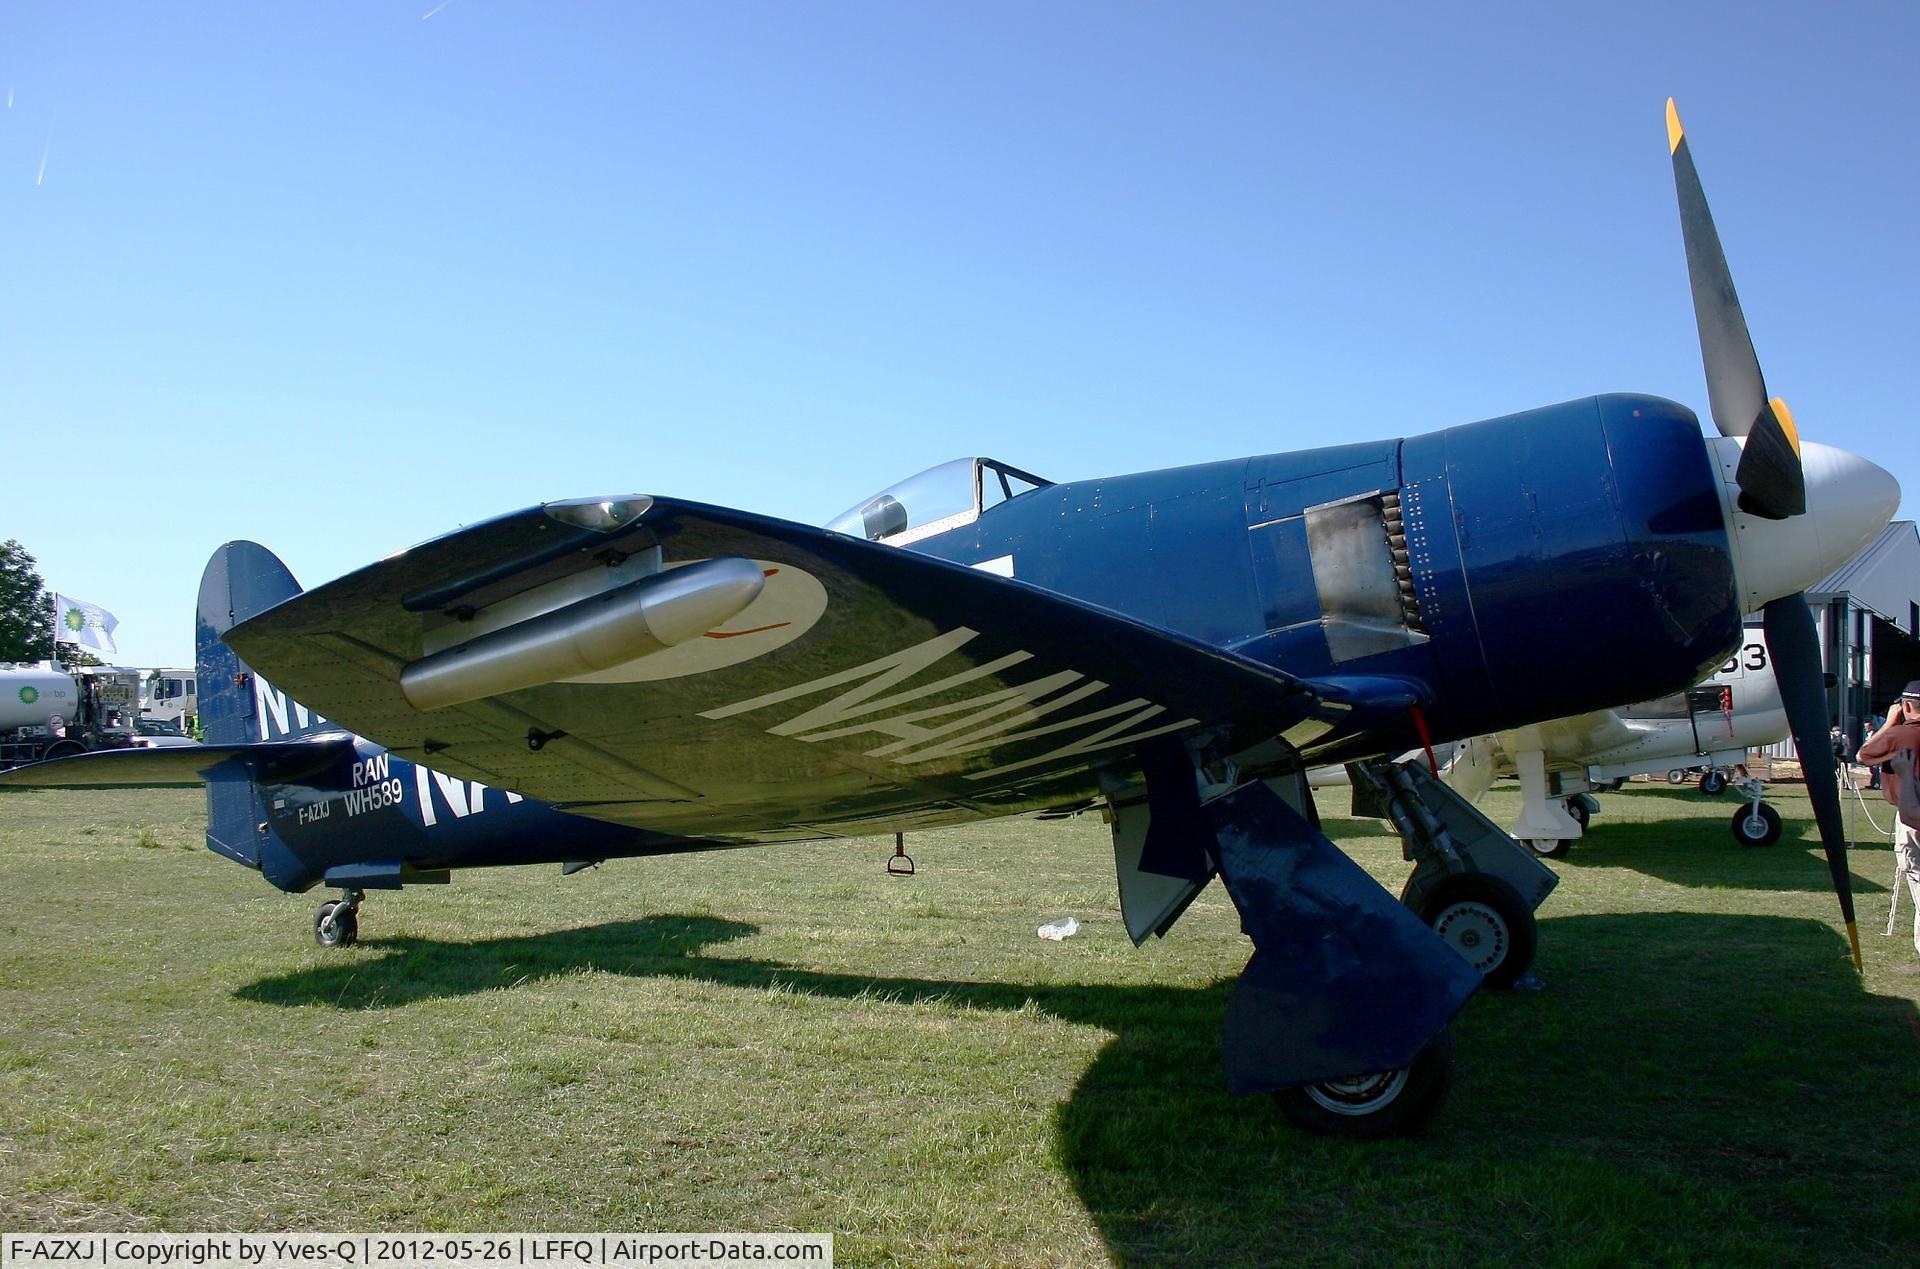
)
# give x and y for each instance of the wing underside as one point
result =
(864, 689)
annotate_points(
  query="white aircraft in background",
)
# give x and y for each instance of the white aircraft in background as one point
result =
(1561, 763)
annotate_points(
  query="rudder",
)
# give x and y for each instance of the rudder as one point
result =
(241, 580)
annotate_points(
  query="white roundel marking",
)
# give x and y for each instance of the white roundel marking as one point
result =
(790, 604)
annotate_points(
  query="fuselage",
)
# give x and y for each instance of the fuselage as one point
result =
(1601, 514)
(1457, 563)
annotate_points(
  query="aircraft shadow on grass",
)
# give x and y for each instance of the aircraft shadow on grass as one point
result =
(1668, 1052)
(1702, 852)
(1712, 861)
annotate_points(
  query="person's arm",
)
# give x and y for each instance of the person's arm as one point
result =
(1879, 746)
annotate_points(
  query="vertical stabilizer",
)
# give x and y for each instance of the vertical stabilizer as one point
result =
(241, 580)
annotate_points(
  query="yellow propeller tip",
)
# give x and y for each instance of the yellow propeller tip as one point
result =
(1787, 425)
(1675, 133)
(1853, 941)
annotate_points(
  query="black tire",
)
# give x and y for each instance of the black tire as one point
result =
(1550, 847)
(1676, 776)
(1756, 825)
(1713, 784)
(1578, 809)
(333, 928)
(1487, 922)
(64, 749)
(1375, 1107)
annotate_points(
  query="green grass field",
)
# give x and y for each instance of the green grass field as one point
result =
(788, 1039)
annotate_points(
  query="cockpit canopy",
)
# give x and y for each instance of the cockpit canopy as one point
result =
(935, 500)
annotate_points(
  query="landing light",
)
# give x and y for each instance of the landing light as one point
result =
(602, 515)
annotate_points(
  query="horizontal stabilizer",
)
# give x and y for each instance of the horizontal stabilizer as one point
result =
(183, 765)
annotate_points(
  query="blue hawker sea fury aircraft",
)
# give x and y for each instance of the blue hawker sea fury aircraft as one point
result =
(625, 676)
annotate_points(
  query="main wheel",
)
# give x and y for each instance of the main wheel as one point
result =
(1676, 776)
(1578, 810)
(1373, 1107)
(1550, 847)
(1756, 824)
(336, 924)
(1487, 922)
(1713, 784)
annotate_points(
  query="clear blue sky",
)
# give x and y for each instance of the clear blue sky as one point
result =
(338, 279)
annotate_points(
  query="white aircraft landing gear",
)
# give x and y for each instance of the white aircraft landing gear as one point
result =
(1548, 825)
(337, 923)
(1580, 808)
(1376, 1107)
(1755, 823)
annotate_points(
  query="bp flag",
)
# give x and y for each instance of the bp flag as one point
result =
(89, 625)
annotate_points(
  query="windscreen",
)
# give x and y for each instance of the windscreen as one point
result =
(950, 491)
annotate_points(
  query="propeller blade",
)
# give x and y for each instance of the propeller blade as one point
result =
(1772, 479)
(1735, 388)
(1796, 658)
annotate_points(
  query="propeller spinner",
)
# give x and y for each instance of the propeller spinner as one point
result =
(1832, 515)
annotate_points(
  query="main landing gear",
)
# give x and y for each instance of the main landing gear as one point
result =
(1580, 808)
(1487, 922)
(1342, 1010)
(1713, 780)
(337, 923)
(1376, 1107)
(1476, 886)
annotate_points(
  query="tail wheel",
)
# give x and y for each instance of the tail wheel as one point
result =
(336, 924)
(1550, 847)
(1374, 1107)
(1487, 922)
(1756, 825)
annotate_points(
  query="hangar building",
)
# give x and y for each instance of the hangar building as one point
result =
(1868, 612)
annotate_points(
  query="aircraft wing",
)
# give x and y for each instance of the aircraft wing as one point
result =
(842, 687)
(183, 765)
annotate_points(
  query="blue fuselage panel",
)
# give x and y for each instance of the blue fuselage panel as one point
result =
(370, 806)
(1561, 560)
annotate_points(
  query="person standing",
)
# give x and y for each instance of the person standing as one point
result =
(1875, 724)
(1895, 747)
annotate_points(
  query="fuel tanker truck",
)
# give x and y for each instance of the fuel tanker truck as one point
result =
(49, 711)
